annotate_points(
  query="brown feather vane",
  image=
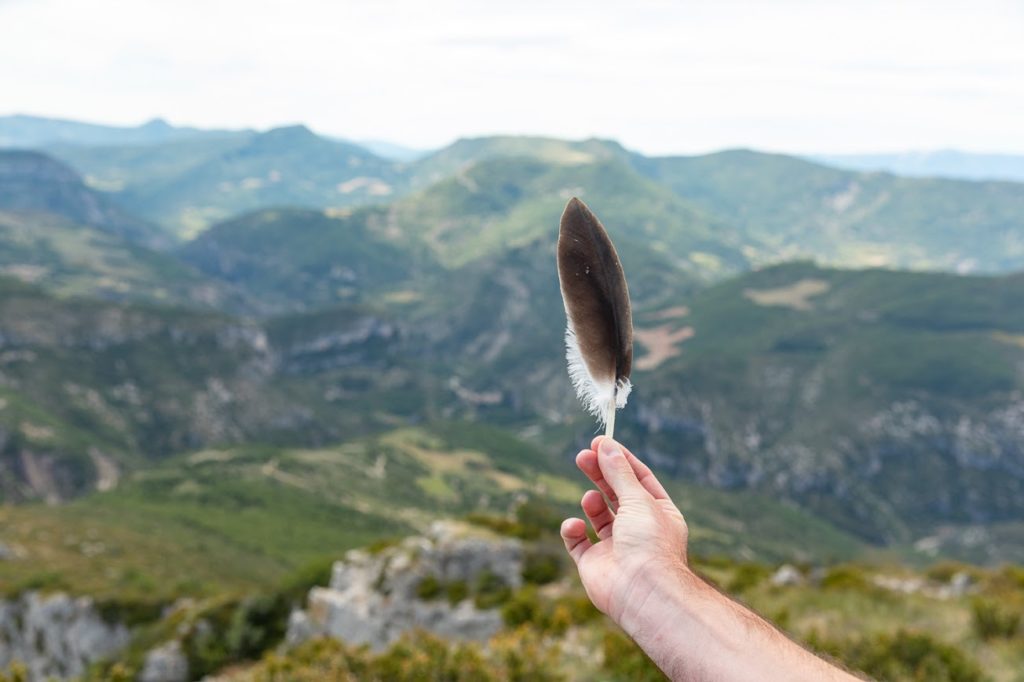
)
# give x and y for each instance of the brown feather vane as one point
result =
(599, 338)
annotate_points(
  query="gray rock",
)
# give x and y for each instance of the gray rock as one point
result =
(787, 575)
(960, 584)
(165, 663)
(56, 636)
(372, 598)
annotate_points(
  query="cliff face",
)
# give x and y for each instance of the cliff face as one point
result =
(56, 636)
(375, 598)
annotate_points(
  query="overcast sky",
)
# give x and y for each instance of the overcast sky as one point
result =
(790, 75)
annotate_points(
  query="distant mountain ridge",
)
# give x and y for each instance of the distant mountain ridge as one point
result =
(31, 132)
(945, 163)
(770, 207)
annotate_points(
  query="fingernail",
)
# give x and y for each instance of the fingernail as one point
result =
(609, 448)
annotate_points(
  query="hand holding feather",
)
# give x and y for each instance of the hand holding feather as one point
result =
(599, 334)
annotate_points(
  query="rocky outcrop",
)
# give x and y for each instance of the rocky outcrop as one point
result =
(375, 598)
(56, 636)
(165, 663)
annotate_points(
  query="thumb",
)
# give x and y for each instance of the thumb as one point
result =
(617, 470)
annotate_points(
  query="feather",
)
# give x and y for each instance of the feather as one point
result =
(599, 337)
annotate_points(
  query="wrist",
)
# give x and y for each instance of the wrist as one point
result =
(656, 598)
(675, 617)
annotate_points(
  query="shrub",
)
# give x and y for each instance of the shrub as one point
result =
(456, 591)
(523, 607)
(235, 632)
(17, 672)
(746, 577)
(541, 568)
(423, 656)
(992, 621)
(626, 661)
(579, 609)
(129, 613)
(313, 574)
(256, 625)
(491, 590)
(845, 578)
(429, 588)
(904, 656)
(537, 517)
(522, 656)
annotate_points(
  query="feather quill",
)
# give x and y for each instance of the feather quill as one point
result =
(599, 334)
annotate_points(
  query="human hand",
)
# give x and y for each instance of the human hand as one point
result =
(638, 575)
(642, 535)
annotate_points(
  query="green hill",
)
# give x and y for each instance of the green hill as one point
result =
(247, 516)
(880, 399)
(464, 153)
(71, 259)
(787, 208)
(300, 258)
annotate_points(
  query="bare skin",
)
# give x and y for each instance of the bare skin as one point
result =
(639, 576)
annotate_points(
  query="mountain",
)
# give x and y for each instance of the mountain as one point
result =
(295, 258)
(505, 202)
(91, 389)
(755, 208)
(786, 208)
(946, 163)
(34, 182)
(188, 184)
(463, 153)
(885, 401)
(33, 132)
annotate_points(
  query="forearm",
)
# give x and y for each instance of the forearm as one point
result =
(693, 632)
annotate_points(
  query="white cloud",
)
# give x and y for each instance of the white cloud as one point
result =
(795, 75)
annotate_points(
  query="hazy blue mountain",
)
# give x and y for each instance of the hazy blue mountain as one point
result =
(945, 163)
(34, 132)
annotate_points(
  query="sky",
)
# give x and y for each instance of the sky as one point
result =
(797, 76)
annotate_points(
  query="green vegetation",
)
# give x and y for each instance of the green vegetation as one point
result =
(74, 259)
(993, 620)
(872, 624)
(905, 656)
